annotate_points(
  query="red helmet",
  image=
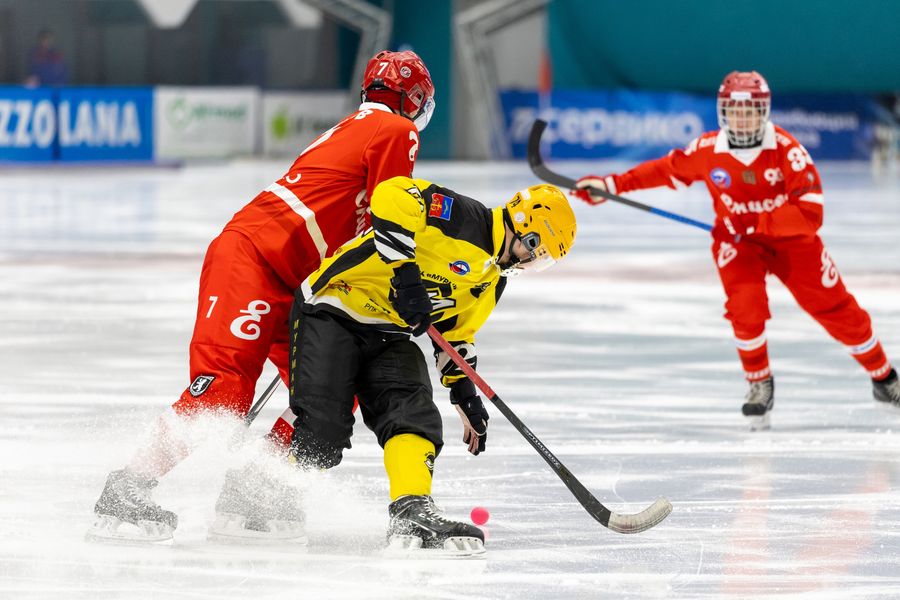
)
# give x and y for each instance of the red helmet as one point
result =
(401, 81)
(743, 106)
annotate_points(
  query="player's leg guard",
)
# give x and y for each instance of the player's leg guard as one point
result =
(409, 463)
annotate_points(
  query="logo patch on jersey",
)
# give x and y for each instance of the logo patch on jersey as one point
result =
(727, 253)
(479, 289)
(460, 267)
(749, 177)
(200, 385)
(720, 177)
(441, 206)
(830, 275)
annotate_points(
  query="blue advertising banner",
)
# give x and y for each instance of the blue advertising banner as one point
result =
(105, 124)
(27, 124)
(833, 126)
(637, 126)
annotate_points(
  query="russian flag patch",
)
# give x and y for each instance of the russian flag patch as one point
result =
(441, 206)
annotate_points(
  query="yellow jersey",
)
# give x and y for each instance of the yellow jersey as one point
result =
(454, 240)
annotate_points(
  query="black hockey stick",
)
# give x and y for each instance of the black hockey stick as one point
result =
(620, 523)
(263, 398)
(540, 169)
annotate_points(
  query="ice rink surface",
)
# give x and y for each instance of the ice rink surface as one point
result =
(618, 359)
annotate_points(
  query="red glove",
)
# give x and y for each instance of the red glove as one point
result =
(596, 182)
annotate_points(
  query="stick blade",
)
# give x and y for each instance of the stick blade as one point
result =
(534, 143)
(642, 521)
(536, 162)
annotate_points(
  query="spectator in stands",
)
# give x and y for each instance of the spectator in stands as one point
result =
(46, 66)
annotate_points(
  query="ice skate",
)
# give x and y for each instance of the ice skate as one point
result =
(254, 507)
(758, 403)
(888, 389)
(126, 513)
(418, 530)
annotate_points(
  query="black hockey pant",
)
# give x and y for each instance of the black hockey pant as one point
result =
(333, 359)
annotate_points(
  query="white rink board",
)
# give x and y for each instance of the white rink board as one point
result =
(618, 359)
(199, 122)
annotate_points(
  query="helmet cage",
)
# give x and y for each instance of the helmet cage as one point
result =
(539, 255)
(743, 118)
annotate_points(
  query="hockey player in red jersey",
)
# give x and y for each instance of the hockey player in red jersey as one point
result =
(252, 268)
(768, 201)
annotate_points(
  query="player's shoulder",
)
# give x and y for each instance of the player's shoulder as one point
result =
(784, 138)
(706, 141)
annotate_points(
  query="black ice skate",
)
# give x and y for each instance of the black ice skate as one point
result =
(126, 501)
(758, 403)
(253, 506)
(888, 389)
(418, 529)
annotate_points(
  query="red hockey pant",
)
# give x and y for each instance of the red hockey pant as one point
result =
(242, 319)
(806, 269)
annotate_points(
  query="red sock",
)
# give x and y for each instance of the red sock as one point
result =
(871, 356)
(282, 430)
(754, 354)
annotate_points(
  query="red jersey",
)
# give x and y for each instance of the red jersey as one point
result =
(773, 189)
(323, 200)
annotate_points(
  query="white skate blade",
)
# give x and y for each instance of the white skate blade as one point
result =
(110, 529)
(760, 422)
(410, 546)
(231, 528)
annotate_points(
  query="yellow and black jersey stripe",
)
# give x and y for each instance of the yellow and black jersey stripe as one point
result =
(453, 239)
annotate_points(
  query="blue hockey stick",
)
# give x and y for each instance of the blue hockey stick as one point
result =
(540, 169)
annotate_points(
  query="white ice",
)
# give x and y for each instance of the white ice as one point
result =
(618, 359)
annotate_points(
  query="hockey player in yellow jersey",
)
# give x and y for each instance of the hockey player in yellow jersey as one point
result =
(432, 257)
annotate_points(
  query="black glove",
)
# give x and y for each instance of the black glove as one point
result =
(467, 402)
(410, 298)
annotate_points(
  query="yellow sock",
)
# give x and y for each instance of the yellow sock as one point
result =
(409, 461)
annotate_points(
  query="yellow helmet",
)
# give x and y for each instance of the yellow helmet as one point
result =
(542, 219)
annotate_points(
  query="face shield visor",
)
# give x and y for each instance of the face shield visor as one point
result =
(421, 120)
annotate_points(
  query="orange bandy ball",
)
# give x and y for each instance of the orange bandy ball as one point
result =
(480, 515)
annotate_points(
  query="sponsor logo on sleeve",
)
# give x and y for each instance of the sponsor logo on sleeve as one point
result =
(441, 206)
(200, 385)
